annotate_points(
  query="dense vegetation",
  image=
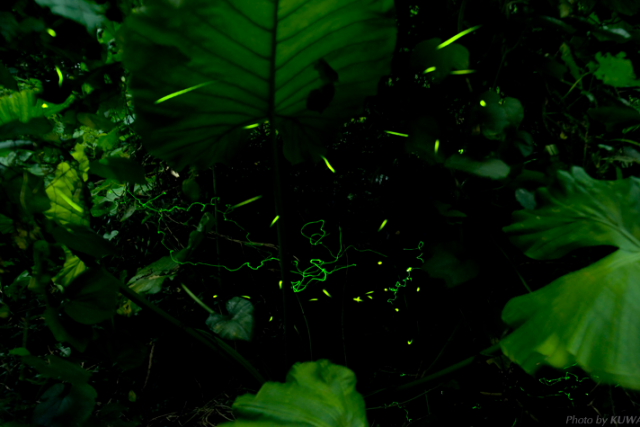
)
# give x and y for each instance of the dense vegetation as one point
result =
(447, 213)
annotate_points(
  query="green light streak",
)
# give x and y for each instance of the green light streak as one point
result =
(429, 70)
(255, 125)
(382, 226)
(457, 36)
(275, 220)
(396, 133)
(463, 72)
(328, 164)
(437, 146)
(71, 203)
(319, 270)
(182, 92)
(246, 202)
(60, 76)
(314, 270)
(51, 32)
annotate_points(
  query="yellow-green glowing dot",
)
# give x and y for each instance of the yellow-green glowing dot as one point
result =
(270, 318)
(45, 105)
(357, 299)
(379, 262)
(461, 150)
(437, 146)
(369, 296)
(409, 269)
(280, 284)
(397, 309)
(410, 342)
(382, 225)
(483, 103)
(386, 289)
(51, 32)
(430, 70)
(215, 296)
(326, 292)
(418, 289)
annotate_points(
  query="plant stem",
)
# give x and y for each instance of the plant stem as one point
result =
(217, 346)
(438, 374)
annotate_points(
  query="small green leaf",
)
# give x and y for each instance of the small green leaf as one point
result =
(615, 70)
(238, 326)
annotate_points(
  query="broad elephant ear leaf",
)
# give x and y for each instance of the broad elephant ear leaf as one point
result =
(314, 394)
(230, 65)
(591, 316)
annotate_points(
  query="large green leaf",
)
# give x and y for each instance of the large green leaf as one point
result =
(231, 65)
(316, 394)
(592, 316)
(85, 12)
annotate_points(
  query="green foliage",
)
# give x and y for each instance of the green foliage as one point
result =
(598, 329)
(85, 12)
(429, 57)
(315, 393)
(211, 102)
(238, 325)
(93, 226)
(614, 70)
